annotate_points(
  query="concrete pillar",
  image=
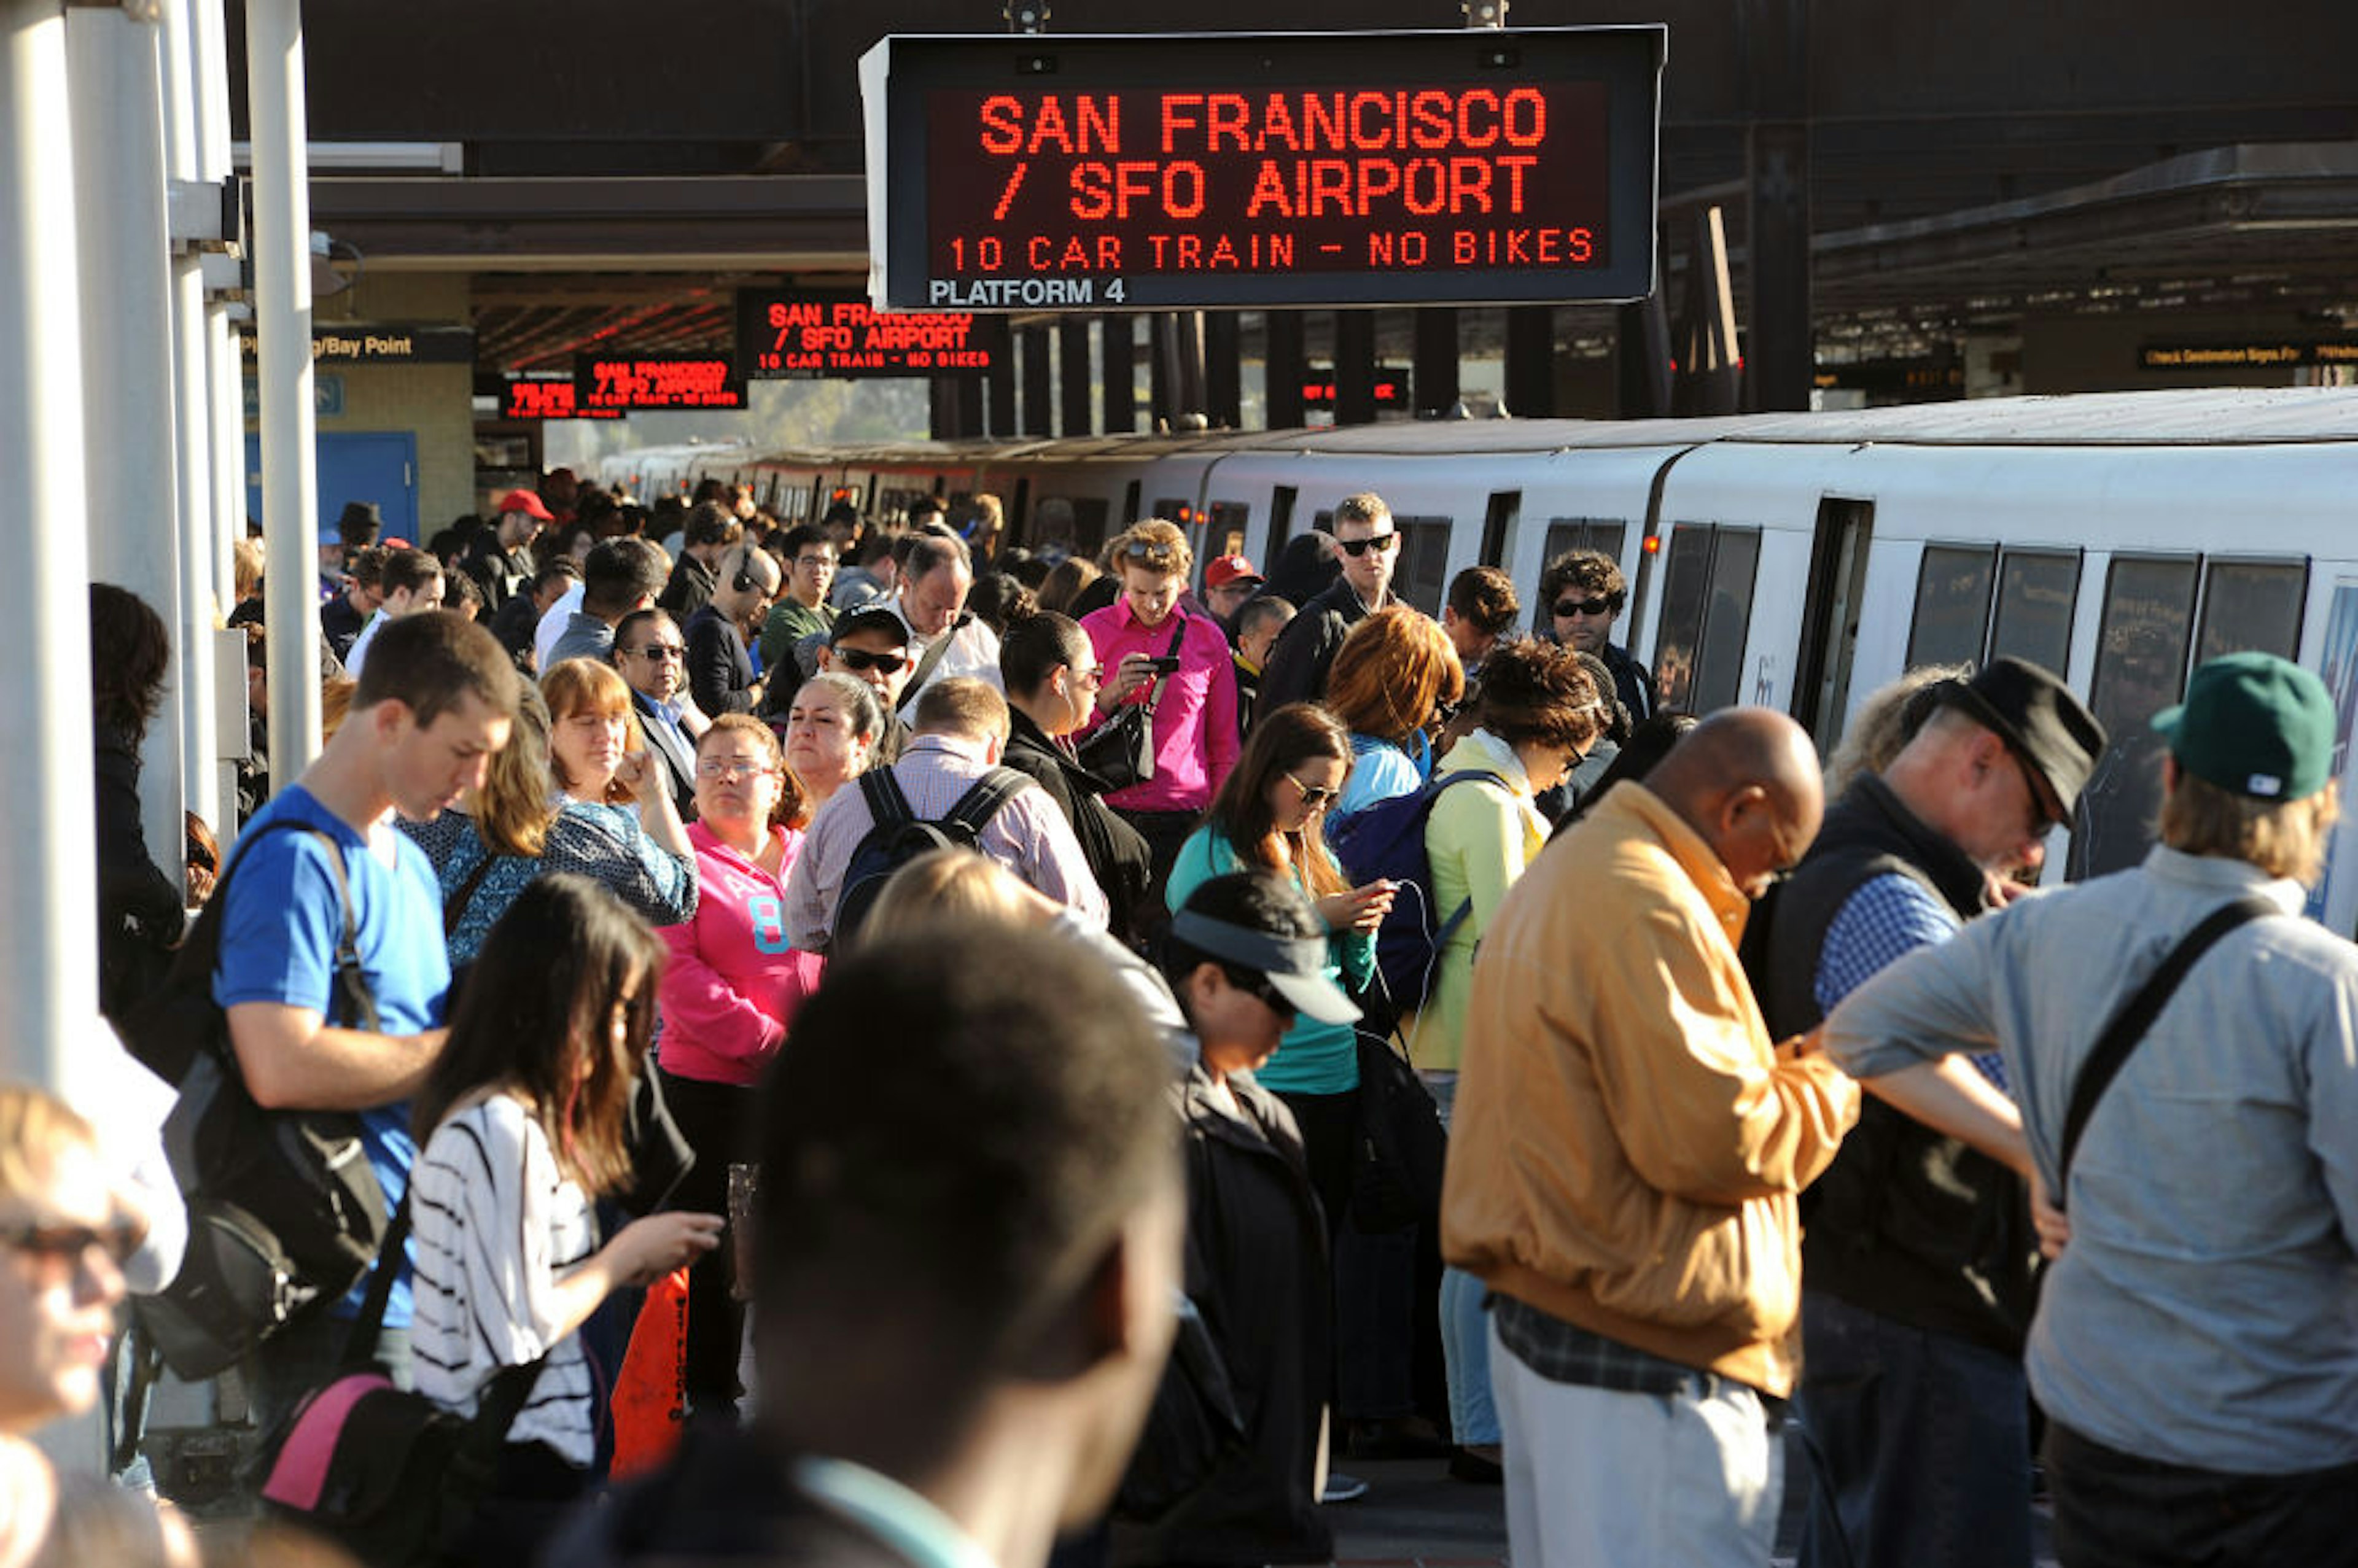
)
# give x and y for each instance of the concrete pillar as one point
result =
(1283, 361)
(1117, 351)
(282, 312)
(1224, 375)
(1355, 367)
(1530, 361)
(1435, 370)
(1074, 415)
(1039, 418)
(1000, 379)
(1779, 354)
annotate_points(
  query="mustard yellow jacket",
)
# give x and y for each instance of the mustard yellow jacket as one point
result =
(1627, 1142)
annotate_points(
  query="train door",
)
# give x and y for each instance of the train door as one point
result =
(1280, 523)
(1838, 583)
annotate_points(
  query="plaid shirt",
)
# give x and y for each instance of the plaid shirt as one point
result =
(1564, 1353)
(1886, 919)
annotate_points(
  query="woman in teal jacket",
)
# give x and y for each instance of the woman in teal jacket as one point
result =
(1267, 817)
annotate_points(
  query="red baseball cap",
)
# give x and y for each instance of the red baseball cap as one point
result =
(1226, 569)
(525, 502)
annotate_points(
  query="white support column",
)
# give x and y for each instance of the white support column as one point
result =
(201, 605)
(117, 102)
(282, 310)
(210, 36)
(49, 967)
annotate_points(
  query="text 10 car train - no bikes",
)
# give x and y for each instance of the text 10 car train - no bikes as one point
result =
(1796, 560)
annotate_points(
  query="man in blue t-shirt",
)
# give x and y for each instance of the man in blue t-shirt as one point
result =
(433, 703)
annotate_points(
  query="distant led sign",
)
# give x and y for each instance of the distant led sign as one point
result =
(546, 397)
(1151, 172)
(624, 383)
(1390, 387)
(819, 333)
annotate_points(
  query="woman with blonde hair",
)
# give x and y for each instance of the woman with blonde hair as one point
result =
(1395, 680)
(590, 730)
(1153, 653)
(516, 829)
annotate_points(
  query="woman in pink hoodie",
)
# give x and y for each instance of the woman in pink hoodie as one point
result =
(728, 995)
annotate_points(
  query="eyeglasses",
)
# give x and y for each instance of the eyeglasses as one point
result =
(1093, 676)
(71, 1243)
(861, 659)
(721, 770)
(1358, 548)
(2042, 821)
(656, 653)
(814, 562)
(1313, 796)
(1568, 607)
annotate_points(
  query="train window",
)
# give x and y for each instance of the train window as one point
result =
(1420, 576)
(1130, 504)
(1727, 619)
(1280, 519)
(1226, 534)
(1497, 522)
(2148, 616)
(1089, 524)
(2035, 592)
(2252, 605)
(1605, 538)
(1952, 605)
(1706, 615)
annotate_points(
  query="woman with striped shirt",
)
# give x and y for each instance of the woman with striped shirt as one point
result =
(521, 1127)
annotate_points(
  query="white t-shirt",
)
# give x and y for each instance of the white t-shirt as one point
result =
(553, 622)
(494, 1224)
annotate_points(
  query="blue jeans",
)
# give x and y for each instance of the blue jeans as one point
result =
(1926, 1441)
(1464, 1331)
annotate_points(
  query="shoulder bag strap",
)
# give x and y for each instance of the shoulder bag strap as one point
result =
(887, 806)
(455, 909)
(352, 981)
(931, 662)
(1178, 635)
(983, 798)
(2130, 1024)
(360, 1341)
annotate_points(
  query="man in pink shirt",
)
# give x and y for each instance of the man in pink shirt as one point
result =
(1195, 728)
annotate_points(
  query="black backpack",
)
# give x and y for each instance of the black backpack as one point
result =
(283, 1208)
(901, 836)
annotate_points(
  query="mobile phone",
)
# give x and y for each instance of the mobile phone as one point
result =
(1164, 666)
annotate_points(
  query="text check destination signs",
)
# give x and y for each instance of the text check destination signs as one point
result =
(1165, 171)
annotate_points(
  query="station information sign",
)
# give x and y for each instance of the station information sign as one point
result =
(1388, 387)
(546, 397)
(1167, 171)
(624, 383)
(784, 332)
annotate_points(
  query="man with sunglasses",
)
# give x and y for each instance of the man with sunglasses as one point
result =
(1919, 1256)
(652, 654)
(1584, 593)
(1304, 652)
(872, 644)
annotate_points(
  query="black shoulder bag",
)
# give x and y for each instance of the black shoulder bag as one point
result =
(2129, 1025)
(283, 1209)
(1120, 752)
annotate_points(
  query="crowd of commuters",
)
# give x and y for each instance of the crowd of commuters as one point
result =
(731, 854)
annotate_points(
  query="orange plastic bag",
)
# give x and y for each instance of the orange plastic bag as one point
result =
(651, 1392)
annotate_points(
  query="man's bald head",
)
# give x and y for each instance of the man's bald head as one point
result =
(1748, 781)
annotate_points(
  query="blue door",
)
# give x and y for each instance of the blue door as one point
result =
(354, 465)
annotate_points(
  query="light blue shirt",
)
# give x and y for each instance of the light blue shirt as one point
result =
(2206, 1310)
(908, 1523)
(1380, 771)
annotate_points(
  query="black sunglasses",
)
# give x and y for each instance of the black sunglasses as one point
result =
(1148, 550)
(861, 659)
(1568, 607)
(660, 651)
(1357, 547)
(71, 1243)
(1262, 989)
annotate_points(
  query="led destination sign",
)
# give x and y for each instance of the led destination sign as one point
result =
(819, 332)
(621, 383)
(1157, 172)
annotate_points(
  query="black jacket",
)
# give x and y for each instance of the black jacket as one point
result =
(500, 573)
(679, 767)
(688, 589)
(1905, 1224)
(1258, 1271)
(1116, 853)
(719, 665)
(1304, 651)
(139, 908)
